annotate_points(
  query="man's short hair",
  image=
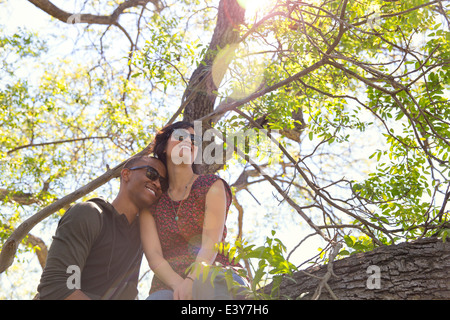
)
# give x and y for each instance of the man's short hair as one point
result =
(130, 163)
(134, 160)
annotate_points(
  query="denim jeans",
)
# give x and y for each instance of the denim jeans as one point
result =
(204, 290)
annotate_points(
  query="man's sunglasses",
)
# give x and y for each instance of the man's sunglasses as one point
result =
(180, 135)
(153, 174)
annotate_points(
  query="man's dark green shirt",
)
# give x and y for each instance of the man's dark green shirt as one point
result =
(94, 239)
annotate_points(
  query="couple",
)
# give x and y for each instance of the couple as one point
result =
(164, 210)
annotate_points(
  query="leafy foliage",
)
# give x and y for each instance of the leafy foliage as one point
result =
(267, 264)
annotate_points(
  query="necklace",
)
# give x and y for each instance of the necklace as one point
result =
(182, 199)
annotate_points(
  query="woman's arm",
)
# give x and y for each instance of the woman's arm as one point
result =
(213, 225)
(153, 252)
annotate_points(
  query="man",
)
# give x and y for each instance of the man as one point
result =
(96, 252)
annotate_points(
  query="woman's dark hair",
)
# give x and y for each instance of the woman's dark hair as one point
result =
(160, 143)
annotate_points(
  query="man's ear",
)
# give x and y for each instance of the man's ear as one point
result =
(125, 175)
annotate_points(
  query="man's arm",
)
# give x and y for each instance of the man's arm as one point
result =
(77, 295)
(74, 237)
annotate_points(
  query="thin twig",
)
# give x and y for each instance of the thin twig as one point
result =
(328, 274)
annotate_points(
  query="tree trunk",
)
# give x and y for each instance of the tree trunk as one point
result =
(201, 93)
(415, 270)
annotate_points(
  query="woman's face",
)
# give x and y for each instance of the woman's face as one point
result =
(182, 146)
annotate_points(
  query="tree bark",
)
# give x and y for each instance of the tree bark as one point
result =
(200, 95)
(416, 270)
(71, 18)
(201, 92)
(40, 248)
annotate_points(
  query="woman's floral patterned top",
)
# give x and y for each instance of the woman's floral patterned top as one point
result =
(181, 239)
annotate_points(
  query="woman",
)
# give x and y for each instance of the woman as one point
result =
(187, 223)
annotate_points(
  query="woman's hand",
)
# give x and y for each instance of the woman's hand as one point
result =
(184, 290)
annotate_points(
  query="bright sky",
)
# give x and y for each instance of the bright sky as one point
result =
(21, 13)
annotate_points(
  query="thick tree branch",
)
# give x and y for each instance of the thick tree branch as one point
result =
(38, 245)
(407, 271)
(53, 143)
(40, 248)
(23, 198)
(233, 105)
(71, 18)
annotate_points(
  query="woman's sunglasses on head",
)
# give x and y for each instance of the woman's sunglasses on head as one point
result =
(153, 174)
